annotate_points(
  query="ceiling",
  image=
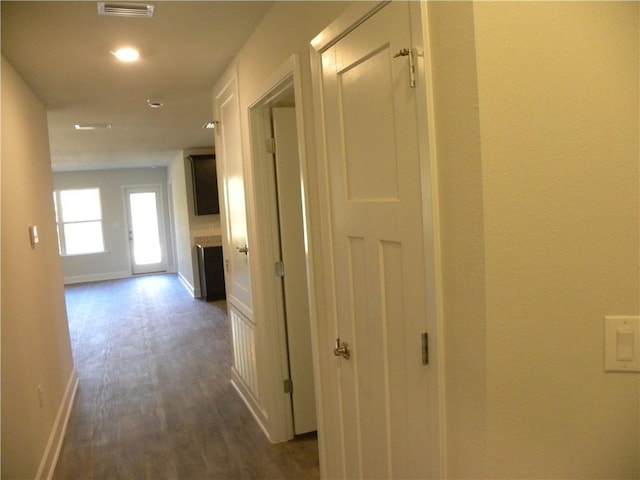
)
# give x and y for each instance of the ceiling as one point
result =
(62, 50)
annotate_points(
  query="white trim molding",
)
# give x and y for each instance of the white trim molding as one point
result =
(195, 293)
(54, 445)
(427, 120)
(97, 277)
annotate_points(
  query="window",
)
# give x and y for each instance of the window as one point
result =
(79, 221)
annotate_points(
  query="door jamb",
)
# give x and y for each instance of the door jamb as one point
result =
(431, 216)
(268, 290)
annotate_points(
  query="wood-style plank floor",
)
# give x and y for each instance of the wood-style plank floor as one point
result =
(154, 399)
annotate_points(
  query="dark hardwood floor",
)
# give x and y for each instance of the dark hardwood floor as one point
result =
(154, 399)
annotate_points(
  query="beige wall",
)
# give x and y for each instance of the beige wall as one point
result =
(35, 338)
(461, 211)
(180, 209)
(538, 125)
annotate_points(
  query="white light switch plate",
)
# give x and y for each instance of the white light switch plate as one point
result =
(622, 344)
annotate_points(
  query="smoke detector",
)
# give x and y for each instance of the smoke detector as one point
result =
(136, 10)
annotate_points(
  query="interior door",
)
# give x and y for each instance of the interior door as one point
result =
(296, 299)
(146, 229)
(229, 147)
(373, 164)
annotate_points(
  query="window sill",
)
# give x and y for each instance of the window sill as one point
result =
(73, 255)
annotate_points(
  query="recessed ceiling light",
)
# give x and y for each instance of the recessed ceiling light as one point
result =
(92, 126)
(127, 54)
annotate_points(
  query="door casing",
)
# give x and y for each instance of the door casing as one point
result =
(268, 290)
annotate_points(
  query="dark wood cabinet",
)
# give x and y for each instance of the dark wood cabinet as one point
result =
(211, 267)
(205, 184)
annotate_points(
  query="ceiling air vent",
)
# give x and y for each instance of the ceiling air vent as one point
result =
(126, 9)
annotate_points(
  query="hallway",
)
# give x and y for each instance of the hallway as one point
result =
(154, 399)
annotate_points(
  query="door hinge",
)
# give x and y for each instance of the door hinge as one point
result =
(271, 145)
(425, 348)
(280, 269)
(411, 53)
(288, 385)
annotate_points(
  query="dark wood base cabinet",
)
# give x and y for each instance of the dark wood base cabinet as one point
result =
(211, 266)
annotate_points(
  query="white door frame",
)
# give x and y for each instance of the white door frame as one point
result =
(332, 463)
(268, 292)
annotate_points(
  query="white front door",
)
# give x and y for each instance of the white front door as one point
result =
(146, 229)
(377, 228)
(296, 299)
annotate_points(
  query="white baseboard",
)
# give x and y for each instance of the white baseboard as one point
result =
(101, 277)
(97, 277)
(54, 445)
(194, 292)
(257, 412)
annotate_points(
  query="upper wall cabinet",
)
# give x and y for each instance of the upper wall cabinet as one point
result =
(205, 184)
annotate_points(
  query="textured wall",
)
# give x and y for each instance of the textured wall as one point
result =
(35, 336)
(461, 210)
(558, 89)
(540, 194)
(180, 208)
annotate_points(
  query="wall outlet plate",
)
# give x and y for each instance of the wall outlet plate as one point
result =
(622, 344)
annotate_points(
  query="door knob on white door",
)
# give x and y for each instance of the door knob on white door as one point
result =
(342, 349)
(244, 249)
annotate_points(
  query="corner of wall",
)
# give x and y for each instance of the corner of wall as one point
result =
(459, 164)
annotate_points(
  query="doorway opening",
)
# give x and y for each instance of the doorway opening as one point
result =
(278, 152)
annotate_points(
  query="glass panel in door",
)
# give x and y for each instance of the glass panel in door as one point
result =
(146, 233)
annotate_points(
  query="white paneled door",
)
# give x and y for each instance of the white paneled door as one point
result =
(377, 236)
(229, 150)
(245, 370)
